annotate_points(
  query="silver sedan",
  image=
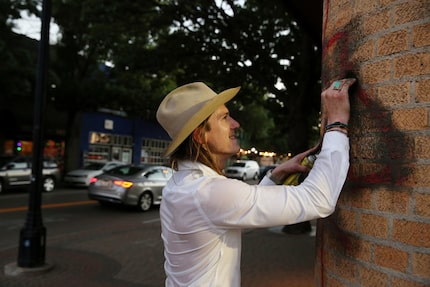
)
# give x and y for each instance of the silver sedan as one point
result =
(139, 186)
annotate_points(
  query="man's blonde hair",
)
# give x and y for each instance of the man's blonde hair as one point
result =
(194, 151)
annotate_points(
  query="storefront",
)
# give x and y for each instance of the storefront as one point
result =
(103, 137)
(106, 137)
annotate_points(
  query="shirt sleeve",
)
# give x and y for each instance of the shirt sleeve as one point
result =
(266, 181)
(233, 203)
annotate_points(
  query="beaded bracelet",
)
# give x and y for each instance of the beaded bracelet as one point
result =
(336, 125)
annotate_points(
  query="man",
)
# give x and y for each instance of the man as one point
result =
(203, 213)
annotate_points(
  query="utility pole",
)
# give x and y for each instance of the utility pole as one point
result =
(32, 239)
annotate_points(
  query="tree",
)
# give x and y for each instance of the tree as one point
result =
(18, 66)
(17, 54)
(255, 45)
(154, 46)
(93, 35)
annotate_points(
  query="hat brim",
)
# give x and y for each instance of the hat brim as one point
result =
(200, 116)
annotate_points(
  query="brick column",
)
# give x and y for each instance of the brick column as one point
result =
(380, 232)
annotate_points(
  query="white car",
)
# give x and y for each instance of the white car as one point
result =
(81, 177)
(16, 172)
(243, 169)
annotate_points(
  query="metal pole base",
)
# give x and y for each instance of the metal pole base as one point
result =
(12, 269)
(32, 243)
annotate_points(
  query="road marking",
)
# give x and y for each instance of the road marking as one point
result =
(50, 205)
(151, 220)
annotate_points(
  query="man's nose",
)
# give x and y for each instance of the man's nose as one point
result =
(235, 124)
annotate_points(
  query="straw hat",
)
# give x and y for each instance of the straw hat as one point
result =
(186, 107)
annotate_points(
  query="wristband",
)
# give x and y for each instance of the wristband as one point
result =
(336, 125)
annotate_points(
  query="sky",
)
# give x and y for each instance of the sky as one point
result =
(30, 26)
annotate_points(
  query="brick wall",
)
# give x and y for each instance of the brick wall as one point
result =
(380, 232)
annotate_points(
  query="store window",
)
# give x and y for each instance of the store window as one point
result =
(152, 151)
(105, 147)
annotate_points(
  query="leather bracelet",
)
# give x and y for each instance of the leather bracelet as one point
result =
(336, 125)
(276, 180)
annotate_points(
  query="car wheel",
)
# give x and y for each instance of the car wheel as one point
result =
(255, 176)
(48, 184)
(145, 201)
(244, 176)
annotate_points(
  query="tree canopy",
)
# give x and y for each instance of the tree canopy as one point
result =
(15, 52)
(126, 55)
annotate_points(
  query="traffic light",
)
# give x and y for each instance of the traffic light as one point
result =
(18, 146)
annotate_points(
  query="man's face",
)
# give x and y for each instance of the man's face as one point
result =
(221, 137)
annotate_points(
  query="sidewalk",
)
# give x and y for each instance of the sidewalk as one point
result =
(269, 258)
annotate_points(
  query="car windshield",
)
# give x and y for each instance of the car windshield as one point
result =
(125, 170)
(94, 166)
(239, 164)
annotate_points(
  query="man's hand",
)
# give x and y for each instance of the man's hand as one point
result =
(293, 165)
(335, 102)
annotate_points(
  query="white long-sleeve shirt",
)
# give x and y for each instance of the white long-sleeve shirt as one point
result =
(203, 213)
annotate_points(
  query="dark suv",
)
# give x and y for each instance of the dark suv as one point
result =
(15, 172)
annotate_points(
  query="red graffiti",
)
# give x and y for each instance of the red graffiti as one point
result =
(336, 55)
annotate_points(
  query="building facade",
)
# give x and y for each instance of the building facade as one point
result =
(105, 137)
(380, 232)
(102, 136)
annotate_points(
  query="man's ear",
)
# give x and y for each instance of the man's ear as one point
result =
(198, 136)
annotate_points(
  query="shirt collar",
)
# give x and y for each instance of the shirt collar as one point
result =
(193, 165)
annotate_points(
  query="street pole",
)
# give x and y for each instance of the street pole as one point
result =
(32, 239)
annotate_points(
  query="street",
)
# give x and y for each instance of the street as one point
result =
(93, 245)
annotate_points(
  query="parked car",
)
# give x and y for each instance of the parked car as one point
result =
(81, 177)
(139, 186)
(243, 169)
(16, 172)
